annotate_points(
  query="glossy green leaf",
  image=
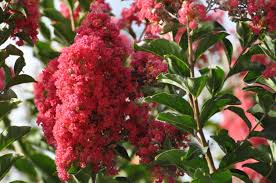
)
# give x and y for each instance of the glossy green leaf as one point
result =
(19, 64)
(215, 104)
(45, 30)
(12, 134)
(172, 79)
(182, 122)
(178, 158)
(6, 162)
(121, 151)
(208, 41)
(54, 15)
(217, 177)
(225, 142)
(20, 79)
(244, 63)
(7, 106)
(243, 152)
(25, 166)
(195, 85)
(215, 79)
(172, 101)
(160, 47)
(177, 66)
(46, 165)
(228, 48)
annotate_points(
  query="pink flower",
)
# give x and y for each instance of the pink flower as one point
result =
(46, 100)
(2, 79)
(30, 24)
(146, 67)
(191, 13)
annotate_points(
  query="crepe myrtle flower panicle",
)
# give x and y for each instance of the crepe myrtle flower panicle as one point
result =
(46, 100)
(29, 24)
(97, 96)
(191, 13)
(146, 67)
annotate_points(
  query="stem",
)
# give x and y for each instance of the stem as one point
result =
(194, 102)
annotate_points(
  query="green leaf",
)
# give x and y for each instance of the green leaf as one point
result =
(63, 31)
(7, 95)
(19, 79)
(6, 162)
(160, 47)
(25, 37)
(239, 111)
(208, 41)
(45, 30)
(245, 35)
(25, 166)
(225, 142)
(85, 4)
(215, 104)
(182, 122)
(7, 106)
(228, 48)
(195, 85)
(217, 177)
(19, 64)
(178, 158)
(120, 150)
(215, 79)
(13, 50)
(172, 79)
(46, 165)
(172, 101)
(44, 51)
(54, 15)
(244, 62)
(13, 133)
(243, 152)
(4, 35)
(18, 181)
(177, 66)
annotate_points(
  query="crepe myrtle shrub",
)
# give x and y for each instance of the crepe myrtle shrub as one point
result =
(171, 91)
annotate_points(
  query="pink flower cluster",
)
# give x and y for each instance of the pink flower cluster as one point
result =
(191, 13)
(30, 24)
(155, 141)
(46, 100)
(146, 67)
(261, 13)
(2, 79)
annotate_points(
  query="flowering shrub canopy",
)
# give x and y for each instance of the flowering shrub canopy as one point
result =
(117, 104)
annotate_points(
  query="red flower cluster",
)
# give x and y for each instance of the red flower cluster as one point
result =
(2, 79)
(191, 13)
(46, 100)
(87, 99)
(154, 141)
(146, 67)
(261, 13)
(29, 24)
